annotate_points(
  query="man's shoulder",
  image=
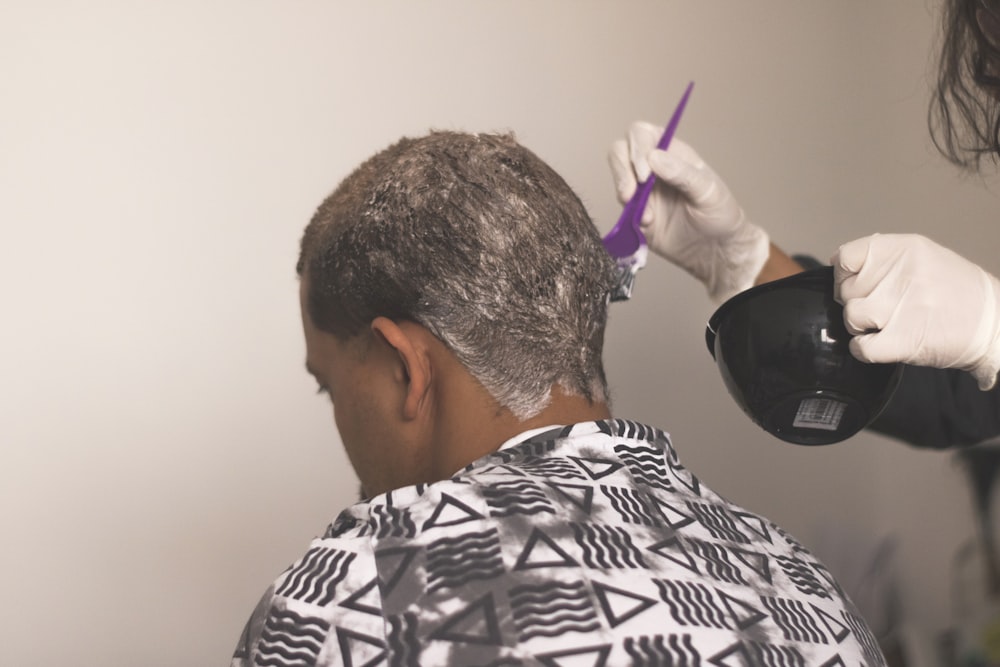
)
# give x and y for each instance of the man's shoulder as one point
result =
(600, 519)
(575, 473)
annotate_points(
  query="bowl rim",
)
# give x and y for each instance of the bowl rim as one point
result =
(822, 276)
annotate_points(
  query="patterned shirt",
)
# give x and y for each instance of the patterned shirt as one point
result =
(582, 545)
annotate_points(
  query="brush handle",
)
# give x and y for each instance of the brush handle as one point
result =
(626, 237)
(641, 197)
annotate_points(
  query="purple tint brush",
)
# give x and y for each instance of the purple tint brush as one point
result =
(625, 242)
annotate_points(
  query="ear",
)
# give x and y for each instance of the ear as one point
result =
(414, 371)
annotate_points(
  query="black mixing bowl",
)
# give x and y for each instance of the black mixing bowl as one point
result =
(782, 349)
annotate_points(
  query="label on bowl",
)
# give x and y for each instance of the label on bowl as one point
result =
(819, 413)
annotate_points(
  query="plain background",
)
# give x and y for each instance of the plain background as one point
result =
(162, 455)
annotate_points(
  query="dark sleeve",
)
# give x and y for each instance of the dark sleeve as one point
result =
(937, 408)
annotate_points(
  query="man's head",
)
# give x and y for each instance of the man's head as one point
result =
(476, 241)
(964, 115)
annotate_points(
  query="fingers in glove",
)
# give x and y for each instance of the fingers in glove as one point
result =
(847, 263)
(874, 348)
(621, 170)
(642, 138)
(863, 316)
(683, 169)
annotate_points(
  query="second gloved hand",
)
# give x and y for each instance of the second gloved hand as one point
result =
(911, 300)
(691, 218)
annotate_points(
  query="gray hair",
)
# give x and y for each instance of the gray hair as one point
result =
(477, 239)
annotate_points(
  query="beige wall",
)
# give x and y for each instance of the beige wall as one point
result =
(162, 455)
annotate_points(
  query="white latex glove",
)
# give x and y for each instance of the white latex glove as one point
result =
(908, 299)
(691, 218)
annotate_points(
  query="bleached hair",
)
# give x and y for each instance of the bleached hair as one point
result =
(477, 239)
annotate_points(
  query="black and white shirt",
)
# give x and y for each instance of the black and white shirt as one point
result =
(582, 545)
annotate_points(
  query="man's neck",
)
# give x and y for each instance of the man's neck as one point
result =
(562, 409)
(479, 427)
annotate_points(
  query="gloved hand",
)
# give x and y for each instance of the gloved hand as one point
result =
(908, 299)
(691, 218)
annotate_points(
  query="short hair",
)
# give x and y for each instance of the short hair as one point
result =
(964, 113)
(477, 239)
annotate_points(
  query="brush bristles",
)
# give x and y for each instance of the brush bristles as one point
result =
(627, 267)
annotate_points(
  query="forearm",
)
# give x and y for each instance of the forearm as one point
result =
(778, 265)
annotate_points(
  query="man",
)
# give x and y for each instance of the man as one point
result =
(454, 297)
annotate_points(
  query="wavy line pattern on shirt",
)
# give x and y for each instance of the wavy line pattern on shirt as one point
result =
(794, 620)
(529, 449)
(455, 561)
(629, 504)
(387, 521)
(657, 650)
(314, 579)
(549, 610)
(718, 521)
(647, 465)
(626, 428)
(776, 656)
(869, 645)
(802, 576)
(404, 647)
(546, 468)
(717, 563)
(692, 604)
(521, 496)
(758, 654)
(290, 640)
(607, 546)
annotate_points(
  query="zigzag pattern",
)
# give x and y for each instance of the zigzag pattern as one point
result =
(314, 579)
(521, 496)
(290, 639)
(455, 561)
(795, 621)
(606, 547)
(657, 651)
(552, 609)
(692, 604)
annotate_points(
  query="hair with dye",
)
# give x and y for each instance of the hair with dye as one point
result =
(478, 240)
